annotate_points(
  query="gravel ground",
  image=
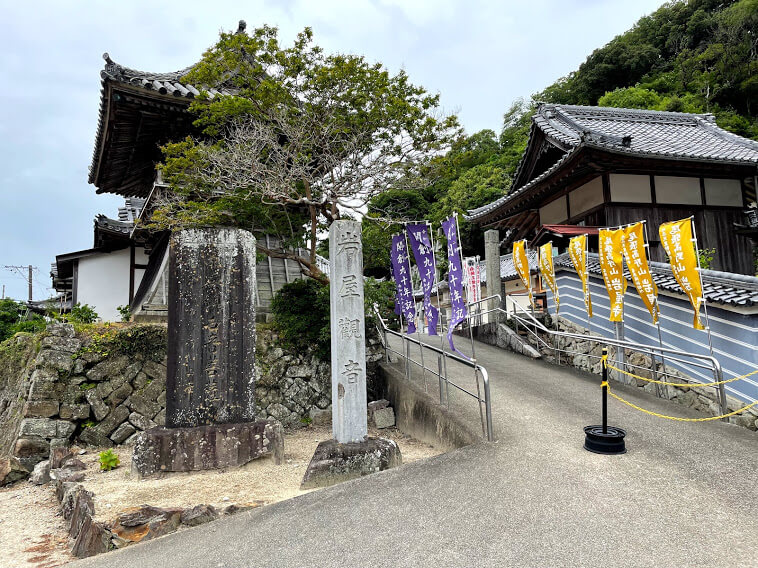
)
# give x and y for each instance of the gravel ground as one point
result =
(32, 533)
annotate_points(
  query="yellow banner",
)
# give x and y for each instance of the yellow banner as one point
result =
(548, 271)
(676, 238)
(521, 263)
(578, 254)
(636, 261)
(611, 264)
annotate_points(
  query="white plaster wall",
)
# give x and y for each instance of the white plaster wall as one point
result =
(628, 188)
(586, 197)
(677, 190)
(554, 212)
(103, 283)
(726, 192)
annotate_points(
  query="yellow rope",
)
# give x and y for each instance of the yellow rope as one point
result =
(683, 384)
(677, 418)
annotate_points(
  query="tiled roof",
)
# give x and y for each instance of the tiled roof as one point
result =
(507, 270)
(649, 133)
(113, 225)
(718, 287)
(171, 86)
(131, 209)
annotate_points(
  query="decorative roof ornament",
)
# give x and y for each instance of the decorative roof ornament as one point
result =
(241, 27)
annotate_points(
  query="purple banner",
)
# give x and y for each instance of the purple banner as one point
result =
(398, 308)
(422, 251)
(454, 279)
(401, 267)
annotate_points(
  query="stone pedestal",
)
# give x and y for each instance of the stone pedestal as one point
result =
(206, 447)
(334, 462)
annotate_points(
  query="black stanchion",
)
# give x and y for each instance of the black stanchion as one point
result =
(604, 439)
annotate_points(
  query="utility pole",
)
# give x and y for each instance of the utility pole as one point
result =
(20, 271)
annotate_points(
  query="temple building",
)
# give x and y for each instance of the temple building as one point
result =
(600, 167)
(139, 112)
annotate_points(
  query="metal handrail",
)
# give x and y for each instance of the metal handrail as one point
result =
(713, 364)
(441, 372)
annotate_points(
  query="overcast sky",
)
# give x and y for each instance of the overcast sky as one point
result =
(479, 54)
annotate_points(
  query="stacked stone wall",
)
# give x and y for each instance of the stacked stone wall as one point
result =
(66, 387)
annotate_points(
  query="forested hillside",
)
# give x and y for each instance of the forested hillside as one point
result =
(688, 56)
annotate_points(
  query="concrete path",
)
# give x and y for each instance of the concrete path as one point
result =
(686, 494)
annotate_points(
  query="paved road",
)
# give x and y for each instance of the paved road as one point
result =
(686, 494)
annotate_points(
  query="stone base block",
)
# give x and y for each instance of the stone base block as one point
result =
(334, 462)
(206, 447)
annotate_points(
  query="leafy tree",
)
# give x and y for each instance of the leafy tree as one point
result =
(631, 97)
(14, 318)
(302, 138)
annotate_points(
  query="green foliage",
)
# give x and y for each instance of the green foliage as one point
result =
(295, 138)
(381, 293)
(82, 313)
(696, 56)
(301, 316)
(14, 318)
(109, 460)
(706, 256)
(148, 341)
(125, 312)
(87, 386)
(306, 420)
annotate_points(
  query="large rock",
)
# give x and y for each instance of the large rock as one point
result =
(199, 515)
(99, 408)
(143, 523)
(41, 409)
(334, 462)
(94, 538)
(42, 427)
(114, 419)
(11, 471)
(41, 473)
(109, 368)
(30, 451)
(141, 422)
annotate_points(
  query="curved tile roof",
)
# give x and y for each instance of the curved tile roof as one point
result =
(649, 133)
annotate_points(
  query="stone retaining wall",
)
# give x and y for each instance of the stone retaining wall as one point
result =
(75, 388)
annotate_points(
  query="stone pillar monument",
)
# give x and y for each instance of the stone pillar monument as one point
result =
(351, 453)
(492, 262)
(348, 329)
(210, 382)
(211, 328)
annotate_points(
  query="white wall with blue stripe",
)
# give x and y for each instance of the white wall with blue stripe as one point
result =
(734, 334)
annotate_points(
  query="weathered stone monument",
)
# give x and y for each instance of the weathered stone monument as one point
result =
(210, 383)
(351, 453)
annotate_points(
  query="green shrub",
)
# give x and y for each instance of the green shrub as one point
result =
(108, 460)
(14, 317)
(82, 313)
(382, 294)
(125, 312)
(301, 316)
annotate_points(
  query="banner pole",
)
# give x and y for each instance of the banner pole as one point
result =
(420, 342)
(661, 389)
(439, 315)
(587, 279)
(722, 390)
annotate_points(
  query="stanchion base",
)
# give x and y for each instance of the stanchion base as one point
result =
(610, 442)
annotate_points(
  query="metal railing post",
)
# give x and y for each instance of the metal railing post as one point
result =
(439, 375)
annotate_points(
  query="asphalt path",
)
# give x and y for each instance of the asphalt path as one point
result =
(685, 494)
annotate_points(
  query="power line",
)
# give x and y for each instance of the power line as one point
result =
(20, 271)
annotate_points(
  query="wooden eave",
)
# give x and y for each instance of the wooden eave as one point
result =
(137, 122)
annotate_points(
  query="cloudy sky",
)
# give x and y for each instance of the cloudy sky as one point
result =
(479, 54)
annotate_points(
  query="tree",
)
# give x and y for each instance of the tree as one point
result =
(301, 139)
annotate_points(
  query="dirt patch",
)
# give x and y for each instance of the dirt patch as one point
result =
(31, 528)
